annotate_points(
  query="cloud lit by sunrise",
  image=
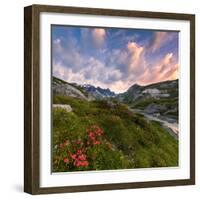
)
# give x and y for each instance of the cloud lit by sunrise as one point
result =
(98, 36)
(114, 58)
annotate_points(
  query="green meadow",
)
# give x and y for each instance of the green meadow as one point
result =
(105, 135)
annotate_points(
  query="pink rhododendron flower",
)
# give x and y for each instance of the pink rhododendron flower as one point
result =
(66, 160)
(73, 156)
(79, 151)
(96, 142)
(82, 157)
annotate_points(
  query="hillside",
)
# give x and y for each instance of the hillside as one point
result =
(60, 87)
(105, 134)
(159, 98)
(85, 91)
(105, 131)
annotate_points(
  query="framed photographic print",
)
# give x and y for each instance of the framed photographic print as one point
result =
(109, 99)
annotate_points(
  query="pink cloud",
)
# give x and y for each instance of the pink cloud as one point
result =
(139, 70)
(98, 36)
(172, 73)
(159, 39)
(166, 69)
(136, 62)
(126, 66)
(119, 86)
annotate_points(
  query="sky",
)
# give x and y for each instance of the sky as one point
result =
(114, 58)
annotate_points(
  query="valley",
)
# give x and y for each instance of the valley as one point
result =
(139, 127)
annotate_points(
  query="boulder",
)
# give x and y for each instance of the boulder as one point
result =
(155, 108)
(65, 107)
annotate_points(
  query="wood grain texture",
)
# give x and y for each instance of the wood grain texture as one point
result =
(31, 100)
(192, 98)
(32, 95)
(27, 100)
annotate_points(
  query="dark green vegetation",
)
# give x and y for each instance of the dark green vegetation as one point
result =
(128, 141)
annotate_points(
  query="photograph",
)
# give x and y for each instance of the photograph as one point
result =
(109, 99)
(114, 98)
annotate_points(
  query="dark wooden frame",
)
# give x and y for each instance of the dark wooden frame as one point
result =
(32, 88)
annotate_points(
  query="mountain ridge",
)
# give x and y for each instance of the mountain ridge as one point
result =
(157, 98)
(85, 91)
(92, 88)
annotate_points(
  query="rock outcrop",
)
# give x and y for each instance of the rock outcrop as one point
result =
(65, 107)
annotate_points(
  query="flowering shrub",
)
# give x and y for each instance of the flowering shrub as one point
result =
(94, 135)
(80, 154)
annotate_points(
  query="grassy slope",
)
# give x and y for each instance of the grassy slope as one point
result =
(136, 143)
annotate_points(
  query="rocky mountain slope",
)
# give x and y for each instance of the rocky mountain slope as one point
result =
(160, 90)
(86, 91)
(97, 92)
(159, 98)
(61, 87)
